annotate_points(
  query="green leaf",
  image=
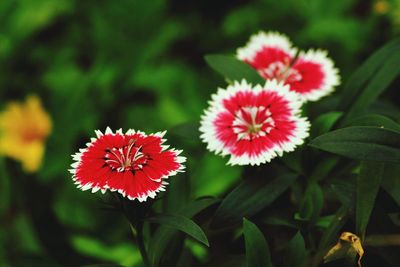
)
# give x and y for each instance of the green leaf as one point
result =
(233, 69)
(368, 183)
(375, 120)
(345, 191)
(162, 237)
(362, 143)
(325, 221)
(331, 234)
(181, 223)
(360, 77)
(121, 254)
(325, 122)
(378, 82)
(251, 196)
(295, 253)
(280, 221)
(203, 174)
(257, 250)
(178, 193)
(323, 168)
(312, 203)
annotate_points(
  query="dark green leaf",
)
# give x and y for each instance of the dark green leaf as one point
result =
(251, 196)
(312, 203)
(368, 183)
(377, 84)
(360, 77)
(233, 69)
(293, 160)
(257, 250)
(362, 143)
(375, 120)
(324, 167)
(161, 238)
(345, 191)
(325, 122)
(281, 221)
(181, 223)
(295, 253)
(331, 234)
(177, 195)
(325, 221)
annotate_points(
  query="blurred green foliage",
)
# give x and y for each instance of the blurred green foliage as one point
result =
(139, 64)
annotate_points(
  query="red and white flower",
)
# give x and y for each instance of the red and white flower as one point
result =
(254, 124)
(134, 164)
(311, 74)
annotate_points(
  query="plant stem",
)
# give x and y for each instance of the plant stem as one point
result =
(140, 243)
(382, 240)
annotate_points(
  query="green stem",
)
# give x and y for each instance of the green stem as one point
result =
(140, 243)
(382, 240)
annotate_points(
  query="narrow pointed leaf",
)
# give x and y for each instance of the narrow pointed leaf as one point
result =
(177, 195)
(368, 183)
(325, 122)
(312, 203)
(257, 250)
(162, 237)
(375, 120)
(330, 235)
(361, 143)
(360, 77)
(181, 223)
(377, 84)
(251, 196)
(233, 69)
(345, 191)
(296, 253)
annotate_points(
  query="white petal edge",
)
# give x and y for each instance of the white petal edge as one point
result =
(261, 40)
(332, 77)
(209, 135)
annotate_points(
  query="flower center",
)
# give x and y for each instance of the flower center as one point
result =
(252, 122)
(281, 71)
(126, 158)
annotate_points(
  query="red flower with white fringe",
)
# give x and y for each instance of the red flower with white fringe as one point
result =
(134, 164)
(311, 74)
(254, 124)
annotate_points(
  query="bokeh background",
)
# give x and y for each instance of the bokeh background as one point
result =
(137, 64)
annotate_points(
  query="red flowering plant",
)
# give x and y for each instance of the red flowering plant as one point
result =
(311, 74)
(134, 164)
(261, 119)
(254, 124)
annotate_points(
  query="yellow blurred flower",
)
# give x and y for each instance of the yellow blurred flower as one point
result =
(24, 128)
(381, 6)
